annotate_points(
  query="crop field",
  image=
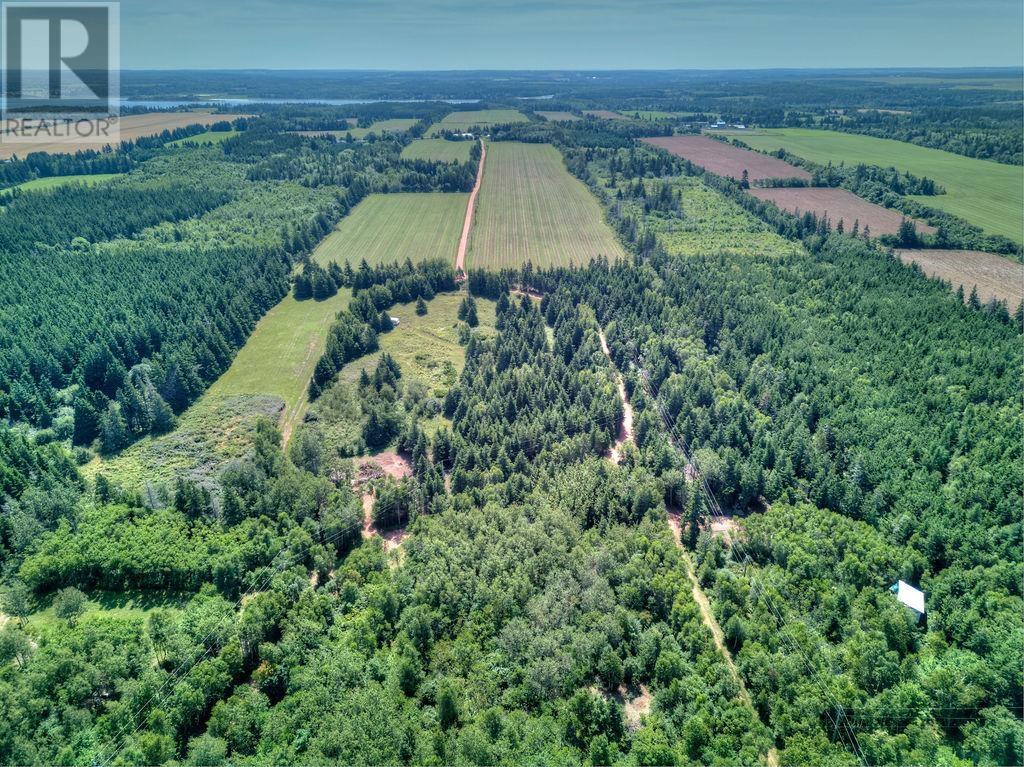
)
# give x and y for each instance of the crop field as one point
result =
(461, 122)
(268, 377)
(531, 209)
(204, 139)
(52, 182)
(987, 194)
(558, 116)
(725, 159)
(392, 227)
(995, 276)
(838, 205)
(131, 128)
(438, 150)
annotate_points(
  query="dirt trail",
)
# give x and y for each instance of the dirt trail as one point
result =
(460, 258)
(626, 426)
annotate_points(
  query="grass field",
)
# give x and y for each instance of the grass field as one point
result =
(427, 348)
(205, 139)
(52, 182)
(396, 125)
(985, 193)
(438, 150)
(392, 227)
(531, 209)
(268, 377)
(461, 122)
(429, 353)
(112, 604)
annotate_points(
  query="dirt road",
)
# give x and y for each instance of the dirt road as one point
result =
(626, 425)
(460, 258)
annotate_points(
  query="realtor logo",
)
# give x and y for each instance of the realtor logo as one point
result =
(61, 71)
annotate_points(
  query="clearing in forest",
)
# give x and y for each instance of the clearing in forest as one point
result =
(52, 182)
(268, 377)
(393, 125)
(725, 159)
(204, 139)
(838, 205)
(426, 347)
(987, 194)
(438, 150)
(995, 276)
(558, 116)
(711, 223)
(461, 122)
(131, 128)
(604, 114)
(385, 228)
(532, 209)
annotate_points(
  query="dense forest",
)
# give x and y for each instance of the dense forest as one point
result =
(856, 422)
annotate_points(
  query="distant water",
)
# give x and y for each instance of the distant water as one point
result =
(234, 102)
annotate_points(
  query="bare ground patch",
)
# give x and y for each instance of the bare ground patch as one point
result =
(838, 205)
(994, 276)
(725, 159)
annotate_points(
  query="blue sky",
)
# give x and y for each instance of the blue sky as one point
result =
(569, 34)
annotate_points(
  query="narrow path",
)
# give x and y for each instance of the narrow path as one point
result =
(626, 426)
(460, 258)
(674, 522)
(704, 604)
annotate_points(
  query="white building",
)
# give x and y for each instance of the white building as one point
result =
(909, 596)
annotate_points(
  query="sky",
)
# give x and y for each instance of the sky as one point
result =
(569, 34)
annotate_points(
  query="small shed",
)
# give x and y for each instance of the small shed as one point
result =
(907, 595)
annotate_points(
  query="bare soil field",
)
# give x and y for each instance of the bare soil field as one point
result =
(725, 159)
(994, 276)
(131, 128)
(838, 205)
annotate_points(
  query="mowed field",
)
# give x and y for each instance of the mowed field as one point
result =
(438, 150)
(461, 122)
(838, 205)
(268, 378)
(994, 276)
(392, 227)
(725, 159)
(131, 128)
(985, 193)
(531, 209)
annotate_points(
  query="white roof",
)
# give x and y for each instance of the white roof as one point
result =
(911, 597)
